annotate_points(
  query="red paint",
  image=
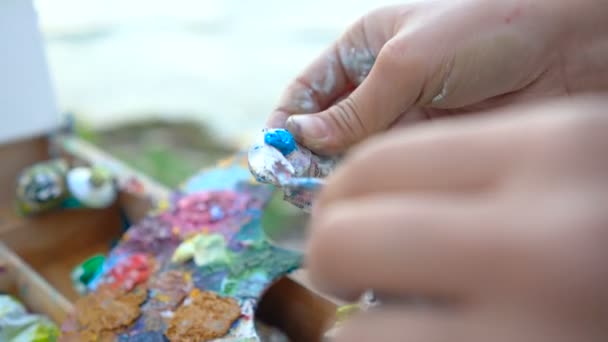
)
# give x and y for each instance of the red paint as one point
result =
(132, 271)
(513, 15)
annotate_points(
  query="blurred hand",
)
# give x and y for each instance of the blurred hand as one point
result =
(503, 218)
(425, 60)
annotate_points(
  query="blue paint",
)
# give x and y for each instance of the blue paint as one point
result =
(216, 213)
(108, 265)
(146, 336)
(282, 140)
(210, 279)
(250, 287)
(124, 219)
(217, 179)
(304, 183)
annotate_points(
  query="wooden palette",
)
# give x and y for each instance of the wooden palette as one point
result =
(39, 253)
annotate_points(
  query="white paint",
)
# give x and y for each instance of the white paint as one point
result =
(80, 186)
(27, 105)
(357, 62)
(437, 99)
(305, 101)
(327, 83)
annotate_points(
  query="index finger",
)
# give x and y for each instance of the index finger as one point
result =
(335, 73)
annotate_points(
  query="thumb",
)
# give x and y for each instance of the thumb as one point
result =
(394, 84)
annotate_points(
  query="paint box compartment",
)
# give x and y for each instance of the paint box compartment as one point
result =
(54, 243)
(20, 280)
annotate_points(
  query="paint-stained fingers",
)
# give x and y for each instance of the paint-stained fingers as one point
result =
(391, 86)
(403, 324)
(316, 88)
(336, 72)
(443, 247)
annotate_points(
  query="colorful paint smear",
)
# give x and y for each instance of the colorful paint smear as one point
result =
(202, 256)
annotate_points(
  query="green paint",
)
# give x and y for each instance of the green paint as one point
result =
(264, 256)
(205, 249)
(89, 269)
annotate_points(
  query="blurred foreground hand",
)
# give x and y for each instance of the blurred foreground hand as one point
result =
(422, 60)
(504, 218)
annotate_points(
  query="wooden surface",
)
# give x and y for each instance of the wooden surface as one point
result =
(82, 151)
(53, 244)
(20, 280)
(300, 313)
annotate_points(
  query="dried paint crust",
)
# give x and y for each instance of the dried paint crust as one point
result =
(103, 314)
(215, 286)
(207, 317)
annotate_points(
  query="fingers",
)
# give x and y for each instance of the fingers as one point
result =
(414, 211)
(447, 57)
(451, 156)
(437, 246)
(393, 85)
(316, 88)
(402, 325)
(465, 154)
(334, 74)
(474, 324)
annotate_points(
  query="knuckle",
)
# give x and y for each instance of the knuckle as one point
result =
(392, 55)
(346, 117)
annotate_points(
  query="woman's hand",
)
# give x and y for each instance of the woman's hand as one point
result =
(503, 219)
(419, 61)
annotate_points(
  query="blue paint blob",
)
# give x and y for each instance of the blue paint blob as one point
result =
(216, 213)
(282, 140)
(146, 336)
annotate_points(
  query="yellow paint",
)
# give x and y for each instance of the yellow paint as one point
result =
(346, 311)
(163, 298)
(163, 204)
(226, 162)
(195, 293)
(205, 249)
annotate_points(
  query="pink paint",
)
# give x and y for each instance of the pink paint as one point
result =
(217, 212)
(134, 186)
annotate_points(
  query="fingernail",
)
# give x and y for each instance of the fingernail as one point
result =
(308, 128)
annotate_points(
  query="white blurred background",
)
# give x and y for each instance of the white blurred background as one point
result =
(221, 62)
